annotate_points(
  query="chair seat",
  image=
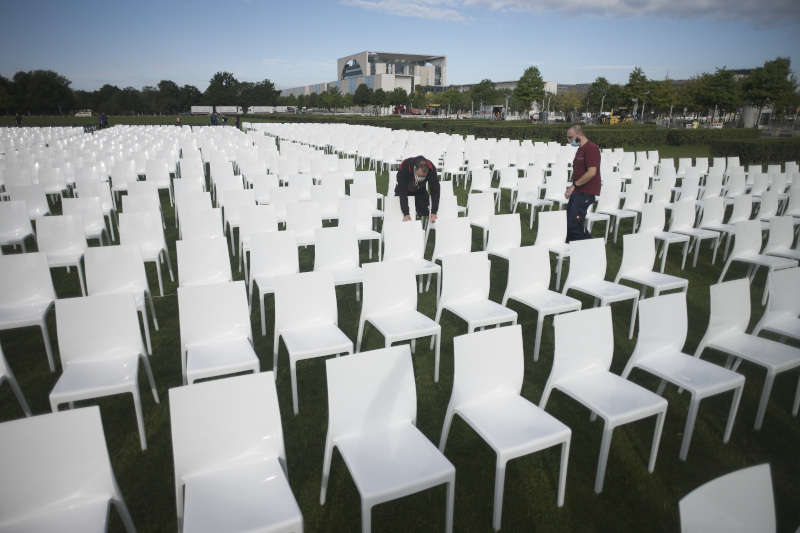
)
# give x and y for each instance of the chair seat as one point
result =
(64, 258)
(393, 462)
(615, 399)
(481, 312)
(605, 290)
(691, 373)
(664, 282)
(786, 253)
(79, 513)
(786, 325)
(346, 275)
(770, 261)
(314, 341)
(24, 315)
(512, 425)
(559, 248)
(670, 238)
(423, 266)
(96, 378)
(244, 497)
(547, 301)
(399, 324)
(773, 355)
(224, 356)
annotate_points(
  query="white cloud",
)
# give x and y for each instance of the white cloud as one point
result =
(271, 61)
(775, 12)
(603, 67)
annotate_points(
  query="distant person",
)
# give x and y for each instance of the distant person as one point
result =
(178, 120)
(105, 120)
(214, 119)
(100, 121)
(412, 177)
(224, 120)
(695, 124)
(585, 183)
(18, 118)
(236, 122)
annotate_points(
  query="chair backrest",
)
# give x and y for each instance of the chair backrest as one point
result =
(33, 196)
(141, 228)
(653, 218)
(14, 220)
(25, 279)
(389, 286)
(403, 240)
(90, 208)
(590, 351)
(141, 203)
(740, 501)
(683, 215)
(487, 362)
(303, 218)
(100, 190)
(713, 211)
(480, 206)
(60, 233)
(203, 261)
(736, 185)
(729, 308)
(528, 270)
(92, 327)
(112, 269)
(147, 188)
(508, 177)
(634, 196)
(638, 253)
(481, 178)
(204, 434)
(453, 236)
(465, 276)
(552, 227)
(262, 183)
(781, 233)
(769, 205)
(305, 299)
(235, 199)
(205, 223)
(663, 325)
(335, 247)
(213, 312)
(256, 218)
(608, 199)
(748, 238)
(370, 390)
(273, 253)
(56, 457)
(742, 208)
(356, 212)
(784, 292)
(587, 260)
(505, 231)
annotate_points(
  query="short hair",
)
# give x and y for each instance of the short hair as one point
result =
(422, 163)
(578, 129)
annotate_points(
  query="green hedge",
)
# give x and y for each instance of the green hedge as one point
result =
(763, 151)
(683, 137)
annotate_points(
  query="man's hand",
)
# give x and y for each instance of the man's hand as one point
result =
(433, 217)
(570, 189)
(406, 218)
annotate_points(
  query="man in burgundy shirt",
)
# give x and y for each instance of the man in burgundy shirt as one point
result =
(585, 183)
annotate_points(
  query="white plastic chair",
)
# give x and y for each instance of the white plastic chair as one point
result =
(465, 292)
(505, 233)
(145, 230)
(480, 207)
(336, 250)
(453, 236)
(202, 261)
(390, 305)
(7, 375)
(116, 269)
(781, 237)
(729, 318)
(783, 308)
(663, 325)
(306, 318)
(144, 201)
(27, 294)
(90, 209)
(63, 240)
(357, 212)
(587, 274)
(186, 201)
(372, 403)
(234, 201)
(638, 257)
(303, 218)
(683, 215)
(15, 224)
(738, 502)
(204, 223)
(230, 471)
(33, 196)
(747, 249)
(529, 283)
(216, 337)
(157, 171)
(271, 254)
(552, 234)
(406, 240)
(59, 477)
(101, 190)
(487, 381)
(481, 181)
(581, 369)
(653, 220)
(100, 346)
(253, 219)
(608, 204)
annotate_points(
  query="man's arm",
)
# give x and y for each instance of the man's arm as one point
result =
(433, 185)
(588, 175)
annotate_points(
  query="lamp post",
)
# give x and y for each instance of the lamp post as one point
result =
(601, 102)
(635, 106)
(644, 104)
(507, 97)
(670, 109)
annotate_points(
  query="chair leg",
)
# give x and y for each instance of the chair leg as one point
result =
(737, 396)
(762, 404)
(499, 480)
(605, 445)
(656, 440)
(633, 316)
(438, 337)
(694, 405)
(47, 347)
(538, 341)
(562, 474)
(293, 372)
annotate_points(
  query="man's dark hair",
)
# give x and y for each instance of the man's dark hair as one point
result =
(422, 163)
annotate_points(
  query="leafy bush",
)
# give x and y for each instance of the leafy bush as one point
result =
(683, 137)
(762, 151)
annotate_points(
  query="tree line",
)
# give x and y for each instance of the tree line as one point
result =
(771, 85)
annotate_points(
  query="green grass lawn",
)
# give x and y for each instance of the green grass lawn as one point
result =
(633, 500)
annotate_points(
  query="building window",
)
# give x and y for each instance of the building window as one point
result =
(351, 70)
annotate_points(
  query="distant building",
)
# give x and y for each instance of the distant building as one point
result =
(382, 70)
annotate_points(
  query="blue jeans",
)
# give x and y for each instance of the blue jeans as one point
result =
(577, 206)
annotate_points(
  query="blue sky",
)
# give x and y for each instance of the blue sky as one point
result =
(294, 43)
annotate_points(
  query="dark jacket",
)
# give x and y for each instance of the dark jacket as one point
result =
(406, 184)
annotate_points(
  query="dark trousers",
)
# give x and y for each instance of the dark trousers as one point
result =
(577, 206)
(421, 201)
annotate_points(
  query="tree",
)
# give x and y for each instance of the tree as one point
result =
(595, 96)
(103, 99)
(168, 99)
(129, 100)
(313, 100)
(41, 91)
(773, 84)
(418, 98)
(486, 93)
(398, 96)
(223, 89)
(189, 95)
(379, 98)
(530, 87)
(335, 97)
(362, 96)
(259, 93)
(662, 95)
(718, 90)
(452, 98)
(636, 87)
